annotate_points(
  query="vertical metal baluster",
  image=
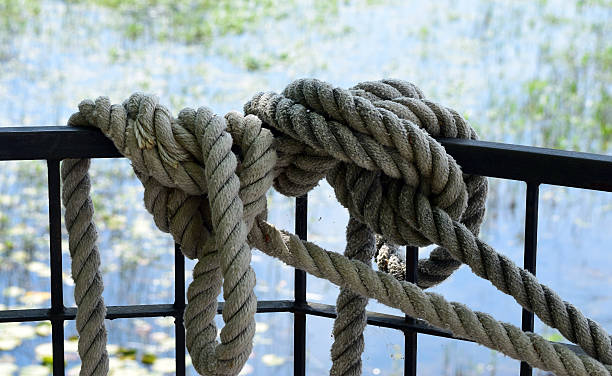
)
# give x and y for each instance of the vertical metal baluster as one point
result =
(55, 249)
(299, 327)
(410, 336)
(179, 306)
(530, 253)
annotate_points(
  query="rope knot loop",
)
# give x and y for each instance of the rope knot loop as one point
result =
(374, 143)
(207, 197)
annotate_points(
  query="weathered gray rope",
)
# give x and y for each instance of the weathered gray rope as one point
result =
(82, 236)
(391, 176)
(407, 101)
(351, 317)
(229, 264)
(223, 259)
(420, 205)
(410, 299)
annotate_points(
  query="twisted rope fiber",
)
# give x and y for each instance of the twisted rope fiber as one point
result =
(82, 236)
(407, 102)
(351, 316)
(402, 212)
(408, 297)
(404, 187)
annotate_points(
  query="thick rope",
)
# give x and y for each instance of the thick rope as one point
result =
(351, 316)
(418, 209)
(229, 264)
(390, 174)
(88, 286)
(410, 299)
(407, 102)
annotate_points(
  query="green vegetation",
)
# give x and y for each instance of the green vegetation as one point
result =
(15, 16)
(190, 21)
(574, 103)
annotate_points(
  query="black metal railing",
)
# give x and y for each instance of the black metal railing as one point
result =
(532, 165)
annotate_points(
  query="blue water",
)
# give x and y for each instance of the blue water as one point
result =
(478, 57)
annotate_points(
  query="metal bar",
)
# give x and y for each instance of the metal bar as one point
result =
(506, 161)
(530, 255)
(55, 260)
(179, 309)
(410, 335)
(382, 320)
(264, 306)
(528, 163)
(299, 318)
(28, 143)
(131, 311)
(112, 313)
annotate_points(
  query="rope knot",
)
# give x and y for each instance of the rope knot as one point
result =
(205, 180)
(372, 144)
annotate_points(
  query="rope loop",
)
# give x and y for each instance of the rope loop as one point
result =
(193, 189)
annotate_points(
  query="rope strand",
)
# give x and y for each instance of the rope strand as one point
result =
(88, 286)
(351, 316)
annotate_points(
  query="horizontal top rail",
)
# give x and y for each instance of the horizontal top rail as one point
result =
(506, 161)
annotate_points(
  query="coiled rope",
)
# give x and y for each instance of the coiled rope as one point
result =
(206, 179)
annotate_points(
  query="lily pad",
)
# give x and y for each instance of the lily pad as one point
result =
(32, 298)
(44, 350)
(34, 371)
(39, 268)
(165, 322)
(261, 327)
(125, 353)
(43, 329)
(165, 365)
(16, 330)
(47, 360)
(246, 370)
(8, 343)
(148, 358)
(13, 291)
(8, 368)
(272, 360)
(71, 346)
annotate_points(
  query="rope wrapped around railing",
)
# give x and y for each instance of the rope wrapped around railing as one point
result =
(206, 178)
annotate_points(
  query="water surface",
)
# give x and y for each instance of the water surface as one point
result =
(536, 73)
